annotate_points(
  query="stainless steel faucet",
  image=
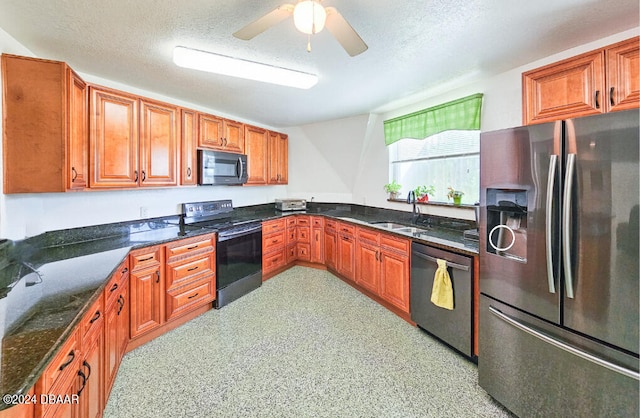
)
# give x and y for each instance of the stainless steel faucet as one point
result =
(411, 198)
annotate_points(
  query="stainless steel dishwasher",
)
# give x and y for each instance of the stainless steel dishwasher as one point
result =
(454, 327)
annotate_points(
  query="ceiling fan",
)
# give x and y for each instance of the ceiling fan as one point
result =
(309, 17)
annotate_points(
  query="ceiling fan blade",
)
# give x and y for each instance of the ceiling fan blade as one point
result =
(265, 22)
(344, 33)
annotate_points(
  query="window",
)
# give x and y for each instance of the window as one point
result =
(446, 159)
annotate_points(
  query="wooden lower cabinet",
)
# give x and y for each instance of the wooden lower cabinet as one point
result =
(317, 240)
(274, 246)
(368, 266)
(116, 325)
(330, 245)
(147, 307)
(346, 252)
(395, 271)
(91, 392)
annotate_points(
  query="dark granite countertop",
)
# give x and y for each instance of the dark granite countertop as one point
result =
(49, 281)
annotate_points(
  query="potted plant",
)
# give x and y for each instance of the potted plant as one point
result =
(393, 189)
(423, 192)
(456, 195)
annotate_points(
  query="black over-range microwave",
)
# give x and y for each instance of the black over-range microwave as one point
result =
(216, 167)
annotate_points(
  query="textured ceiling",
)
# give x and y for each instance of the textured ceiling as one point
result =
(414, 45)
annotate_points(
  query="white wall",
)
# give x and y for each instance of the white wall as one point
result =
(342, 160)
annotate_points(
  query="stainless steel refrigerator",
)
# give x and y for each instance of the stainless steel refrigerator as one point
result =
(559, 262)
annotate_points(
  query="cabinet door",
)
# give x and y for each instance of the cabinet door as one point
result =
(330, 250)
(256, 146)
(567, 89)
(147, 300)
(91, 389)
(278, 158)
(346, 256)
(394, 279)
(623, 75)
(116, 333)
(317, 245)
(189, 138)
(158, 144)
(78, 131)
(233, 137)
(113, 139)
(368, 266)
(210, 132)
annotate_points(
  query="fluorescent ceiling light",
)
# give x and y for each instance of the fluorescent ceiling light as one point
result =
(234, 67)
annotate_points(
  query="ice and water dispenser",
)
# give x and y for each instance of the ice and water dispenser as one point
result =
(507, 223)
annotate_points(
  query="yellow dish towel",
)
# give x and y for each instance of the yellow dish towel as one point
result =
(442, 292)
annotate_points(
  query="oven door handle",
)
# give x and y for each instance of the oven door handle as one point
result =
(225, 236)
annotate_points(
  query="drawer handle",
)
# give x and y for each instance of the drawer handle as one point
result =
(113, 288)
(146, 259)
(193, 268)
(274, 241)
(191, 248)
(125, 270)
(71, 355)
(95, 317)
(193, 296)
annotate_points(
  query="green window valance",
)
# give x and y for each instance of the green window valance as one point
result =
(462, 114)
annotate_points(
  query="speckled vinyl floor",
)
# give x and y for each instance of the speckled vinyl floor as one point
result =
(303, 345)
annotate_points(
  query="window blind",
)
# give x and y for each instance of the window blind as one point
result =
(461, 114)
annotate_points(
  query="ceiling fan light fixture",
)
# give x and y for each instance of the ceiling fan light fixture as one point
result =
(235, 67)
(309, 16)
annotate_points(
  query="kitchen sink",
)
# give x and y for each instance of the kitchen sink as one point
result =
(390, 225)
(401, 228)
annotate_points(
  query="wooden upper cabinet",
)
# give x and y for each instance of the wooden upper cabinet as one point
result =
(623, 75)
(220, 134)
(210, 132)
(278, 158)
(78, 143)
(114, 139)
(189, 138)
(45, 137)
(604, 80)
(158, 144)
(256, 147)
(570, 88)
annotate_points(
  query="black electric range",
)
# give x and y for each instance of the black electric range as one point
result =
(238, 249)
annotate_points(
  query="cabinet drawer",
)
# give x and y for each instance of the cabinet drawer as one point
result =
(346, 229)
(317, 221)
(272, 242)
(368, 235)
(303, 221)
(304, 251)
(185, 271)
(399, 245)
(273, 226)
(186, 298)
(303, 234)
(190, 246)
(117, 281)
(330, 224)
(93, 319)
(65, 362)
(292, 253)
(145, 257)
(273, 261)
(291, 221)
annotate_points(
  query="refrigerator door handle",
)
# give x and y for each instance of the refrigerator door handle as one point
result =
(566, 224)
(564, 346)
(553, 163)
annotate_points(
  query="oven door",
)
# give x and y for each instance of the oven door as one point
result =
(239, 255)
